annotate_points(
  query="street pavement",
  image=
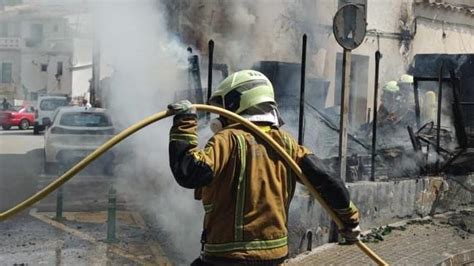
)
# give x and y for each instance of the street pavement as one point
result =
(441, 240)
(21, 163)
(36, 237)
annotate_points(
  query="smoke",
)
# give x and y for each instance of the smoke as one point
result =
(148, 66)
(244, 31)
(148, 62)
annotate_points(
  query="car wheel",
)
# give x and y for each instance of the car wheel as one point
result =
(24, 124)
(36, 129)
(6, 127)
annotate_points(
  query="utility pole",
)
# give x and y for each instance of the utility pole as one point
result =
(349, 28)
(94, 88)
(344, 111)
(95, 70)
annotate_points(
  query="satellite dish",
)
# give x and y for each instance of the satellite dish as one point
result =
(349, 26)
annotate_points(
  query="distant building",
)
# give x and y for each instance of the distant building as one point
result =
(36, 51)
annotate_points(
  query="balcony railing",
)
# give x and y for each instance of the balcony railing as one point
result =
(10, 43)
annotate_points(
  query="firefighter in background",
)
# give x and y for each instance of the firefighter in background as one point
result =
(407, 92)
(244, 185)
(397, 109)
(389, 106)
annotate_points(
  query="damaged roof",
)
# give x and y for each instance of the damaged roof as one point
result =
(459, 6)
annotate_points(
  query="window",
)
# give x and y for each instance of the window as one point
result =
(59, 69)
(36, 35)
(85, 120)
(52, 104)
(44, 67)
(6, 72)
(55, 28)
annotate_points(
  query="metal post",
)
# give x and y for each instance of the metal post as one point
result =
(302, 85)
(111, 212)
(209, 73)
(209, 69)
(438, 129)
(59, 204)
(95, 71)
(343, 123)
(417, 102)
(196, 78)
(374, 121)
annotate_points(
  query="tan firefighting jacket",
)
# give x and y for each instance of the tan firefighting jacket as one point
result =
(246, 188)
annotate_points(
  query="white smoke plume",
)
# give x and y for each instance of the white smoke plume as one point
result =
(149, 65)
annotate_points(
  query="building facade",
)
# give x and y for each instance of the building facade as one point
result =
(399, 30)
(36, 53)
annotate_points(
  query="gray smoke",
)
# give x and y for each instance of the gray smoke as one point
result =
(244, 31)
(148, 66)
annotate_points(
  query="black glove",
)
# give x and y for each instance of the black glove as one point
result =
(182, 107)
(350, 235)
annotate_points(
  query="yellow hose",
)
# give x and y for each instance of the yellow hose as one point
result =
(158, 116)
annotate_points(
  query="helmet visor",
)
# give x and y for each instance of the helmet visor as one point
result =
(216, 101)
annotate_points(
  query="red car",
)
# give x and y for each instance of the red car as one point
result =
(20, 116)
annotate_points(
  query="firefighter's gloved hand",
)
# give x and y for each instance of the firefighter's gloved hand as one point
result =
(182, 107)
(350, 235)
(350, 219)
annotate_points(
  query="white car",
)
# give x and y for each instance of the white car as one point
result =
(45, 108)
(75, 132)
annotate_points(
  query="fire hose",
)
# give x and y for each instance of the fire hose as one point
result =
(157, 117)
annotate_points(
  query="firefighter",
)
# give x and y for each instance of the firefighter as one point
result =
(390, 103)
(244, 185)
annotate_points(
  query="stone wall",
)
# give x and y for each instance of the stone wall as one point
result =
(381, 203)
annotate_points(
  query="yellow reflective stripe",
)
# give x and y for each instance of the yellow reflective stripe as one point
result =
(265, 129)
(351, 209)
(208, 208)
(249, 245)
(241, 186)
(190, 138)
(289, 150)
(184, 135)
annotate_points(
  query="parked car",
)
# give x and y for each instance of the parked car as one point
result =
(45, 108)
(75, 132)
(18, 116)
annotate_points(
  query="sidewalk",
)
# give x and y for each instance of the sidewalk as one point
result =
(35, 238)
(443, 240)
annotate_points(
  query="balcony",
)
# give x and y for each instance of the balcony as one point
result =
(11, 43)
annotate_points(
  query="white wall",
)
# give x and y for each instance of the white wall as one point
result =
(56, 47)
(82, 56)
(429, 38)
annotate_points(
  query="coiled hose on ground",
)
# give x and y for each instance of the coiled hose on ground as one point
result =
(157, 117)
